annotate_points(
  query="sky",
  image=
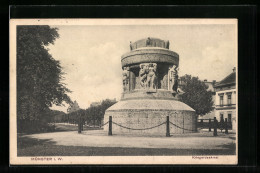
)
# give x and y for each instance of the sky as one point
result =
(91, 55)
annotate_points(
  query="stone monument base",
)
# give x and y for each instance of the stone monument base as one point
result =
(130, 116)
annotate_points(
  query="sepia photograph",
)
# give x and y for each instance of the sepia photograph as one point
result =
(123, 91)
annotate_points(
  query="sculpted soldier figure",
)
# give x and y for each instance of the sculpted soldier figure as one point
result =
(125, 77)
(151, 76)
(174, 78)
(143, 75)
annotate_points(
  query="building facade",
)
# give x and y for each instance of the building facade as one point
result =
(226, 99)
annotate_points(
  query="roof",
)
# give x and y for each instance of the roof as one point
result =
(230, 79)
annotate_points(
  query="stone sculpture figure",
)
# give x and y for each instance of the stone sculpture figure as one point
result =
(125, 78)
(151, 76)
(167, 44)
(148, 41)
(174, 78)
(131, 46)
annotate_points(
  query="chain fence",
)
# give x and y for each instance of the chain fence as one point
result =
(168, 123)
(148, 128)
(138, 129)
(182, 127)
(152, 127)
(104, 124)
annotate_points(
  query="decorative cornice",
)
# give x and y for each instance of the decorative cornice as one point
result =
(153, 55)
(224, 108)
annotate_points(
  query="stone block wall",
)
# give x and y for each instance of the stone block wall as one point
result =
(141, 119)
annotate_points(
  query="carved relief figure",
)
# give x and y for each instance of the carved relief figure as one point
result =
(143, 75)
(148, 75)
(151, 76)
(125, 78)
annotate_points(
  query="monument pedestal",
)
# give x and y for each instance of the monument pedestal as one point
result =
(147, 113)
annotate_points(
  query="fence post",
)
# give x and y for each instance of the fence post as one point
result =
(215, 133)
(226, 126)
(209, 125)
(167, 127)
(110, 126)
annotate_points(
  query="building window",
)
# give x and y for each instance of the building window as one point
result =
(229, 117)
(221, 100)
(229, 99)
(221, 117)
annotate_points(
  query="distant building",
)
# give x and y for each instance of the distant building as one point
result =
(226, 99)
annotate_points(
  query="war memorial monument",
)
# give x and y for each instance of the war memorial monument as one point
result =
(150, 92)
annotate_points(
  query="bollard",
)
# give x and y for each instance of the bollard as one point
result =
(110, 126)
(209, 125)
(79, 127)
(167, 127)
(215, 133)
(226, 126)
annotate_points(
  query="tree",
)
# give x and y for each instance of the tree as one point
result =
(39, 75)
(196, 94)
(73, 107)
(96, 113)
(73, 111)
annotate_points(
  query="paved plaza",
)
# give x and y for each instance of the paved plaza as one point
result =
(99, 138)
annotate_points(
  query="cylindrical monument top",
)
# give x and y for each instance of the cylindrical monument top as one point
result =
(149, 50)
(150, 70)
(150, 42)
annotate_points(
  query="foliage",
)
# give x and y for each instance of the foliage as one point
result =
(196, 94)
(73, 107)
(57, 116)
(92, 115)
(97, 113)
(39, 75)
